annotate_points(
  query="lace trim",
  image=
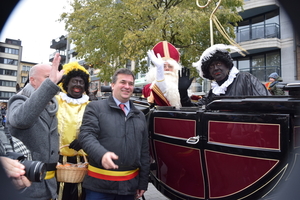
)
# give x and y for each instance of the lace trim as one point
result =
(68, 99)
(217, 90)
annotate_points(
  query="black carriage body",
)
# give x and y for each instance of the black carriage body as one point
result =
(237, 148)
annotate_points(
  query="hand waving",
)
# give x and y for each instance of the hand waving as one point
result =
(55, 74)
(184, 81)
(158, 62)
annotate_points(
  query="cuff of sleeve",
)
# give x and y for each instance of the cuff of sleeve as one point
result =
(184, 99)
(183, 94)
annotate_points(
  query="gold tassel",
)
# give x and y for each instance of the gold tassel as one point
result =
(64, 160)
(61, 188)
(79, 184)
(79, 191)
(219, 26)
(223, 32)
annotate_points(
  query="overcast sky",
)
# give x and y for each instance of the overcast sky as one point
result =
(35, 23)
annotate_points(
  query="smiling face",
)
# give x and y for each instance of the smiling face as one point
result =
(122, 89)
(218, 70)
(76, 87)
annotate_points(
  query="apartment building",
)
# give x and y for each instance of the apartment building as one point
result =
(10, 58)
(266, 32)
(23, 72)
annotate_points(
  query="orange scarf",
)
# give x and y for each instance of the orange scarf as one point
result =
(268, 85)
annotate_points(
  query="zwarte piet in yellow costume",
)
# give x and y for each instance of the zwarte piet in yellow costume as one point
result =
(72, 101)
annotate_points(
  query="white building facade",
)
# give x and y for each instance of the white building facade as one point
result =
(10, 58)
(266, 32)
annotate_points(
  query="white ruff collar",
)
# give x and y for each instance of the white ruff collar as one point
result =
(217, 90)
(68, 99)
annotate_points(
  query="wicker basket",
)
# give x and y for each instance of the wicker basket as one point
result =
(71, 174)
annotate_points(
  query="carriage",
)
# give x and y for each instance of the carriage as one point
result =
(235, 148)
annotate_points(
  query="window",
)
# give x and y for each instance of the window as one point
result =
(262, 26)
(6, 95)
(9, 50)
(272, 63)
(260, 65)
(26, 68)
(257, 27)
(273, 59)
(196, 86)
(244, 64)
(8, 61)
(243, 31)
(8, 72)
(272, 18)
(24, 79)
(8, 83)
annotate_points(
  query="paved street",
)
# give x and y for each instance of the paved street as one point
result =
(1, 128)
(153, 194)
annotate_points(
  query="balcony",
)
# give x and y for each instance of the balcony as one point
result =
(24, 73)
(59, 43)
(254, 32)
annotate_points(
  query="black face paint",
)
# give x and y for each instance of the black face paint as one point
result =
(76, 87)
(218, 70)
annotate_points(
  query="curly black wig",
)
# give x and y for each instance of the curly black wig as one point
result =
(66, 79)
(218, 56)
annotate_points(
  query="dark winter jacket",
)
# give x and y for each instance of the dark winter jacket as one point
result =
(274, 90)
(31, 117)
(3, 111)
(105, 128)
(245, 84)
(3, 139)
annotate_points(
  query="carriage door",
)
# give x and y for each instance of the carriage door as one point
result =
(243, 153)
(178, 166)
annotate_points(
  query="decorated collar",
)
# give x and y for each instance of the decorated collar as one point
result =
(68, 99)
(217, 90)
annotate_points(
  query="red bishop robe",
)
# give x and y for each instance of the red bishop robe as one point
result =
(159, 97)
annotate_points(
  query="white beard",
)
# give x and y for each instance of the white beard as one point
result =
(170, 87)
(172, 93)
